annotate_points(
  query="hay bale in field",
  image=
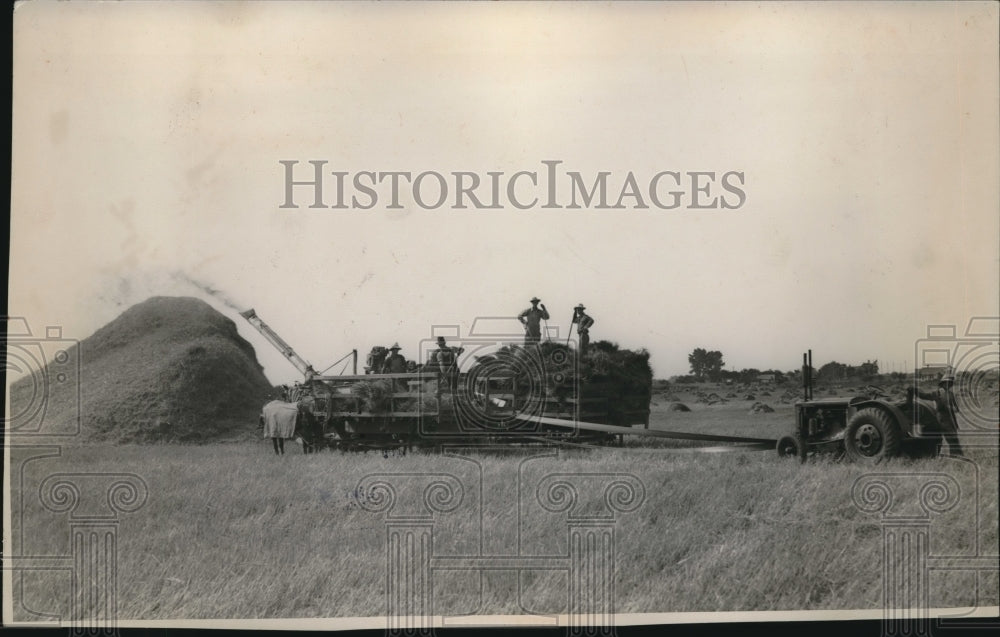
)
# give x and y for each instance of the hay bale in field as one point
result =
(749, 397)
(714, 399)
(765, 393)
(761, 408)
(678, 407)
(789, 397)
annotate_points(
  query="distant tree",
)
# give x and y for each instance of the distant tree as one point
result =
(779, 376)
(868, 369)
(730, 375)
(832, 371)
(749, 375)
(796, 374)
(706, 363)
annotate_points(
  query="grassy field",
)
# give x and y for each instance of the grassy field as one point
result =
(230, 530)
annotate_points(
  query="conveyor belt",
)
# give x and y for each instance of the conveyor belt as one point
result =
(649, 433)
(712, 449)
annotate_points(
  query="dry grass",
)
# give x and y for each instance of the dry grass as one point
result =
(233, 531)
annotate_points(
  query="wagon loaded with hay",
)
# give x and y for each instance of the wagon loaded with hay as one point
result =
(508, 392)
(501, 392)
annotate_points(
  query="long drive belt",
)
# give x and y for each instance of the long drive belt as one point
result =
(649, 433)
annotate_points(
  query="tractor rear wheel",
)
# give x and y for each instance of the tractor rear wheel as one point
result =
(872, 436)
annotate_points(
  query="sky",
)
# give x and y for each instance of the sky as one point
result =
(147, 139)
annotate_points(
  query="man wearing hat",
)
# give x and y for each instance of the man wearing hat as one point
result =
(532, 319)
(947, 407)
(446, 357)
(394, 362)
(583, 323)
(447, 361)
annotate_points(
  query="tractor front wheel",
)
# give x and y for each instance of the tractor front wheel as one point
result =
(871, 436)
(788, 446)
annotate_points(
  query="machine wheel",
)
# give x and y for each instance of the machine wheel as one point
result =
(788, 446)
(872, 436)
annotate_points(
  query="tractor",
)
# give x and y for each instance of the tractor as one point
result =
(868, 428)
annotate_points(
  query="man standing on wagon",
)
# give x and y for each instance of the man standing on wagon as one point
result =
(583, 325)
(395, 363)
(532, 319)
(446, 359)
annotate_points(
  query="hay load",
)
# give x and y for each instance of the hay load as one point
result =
(374, 396)
(624, 377)
(167, 369)
(607, 361)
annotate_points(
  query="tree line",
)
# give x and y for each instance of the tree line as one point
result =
(708, 365)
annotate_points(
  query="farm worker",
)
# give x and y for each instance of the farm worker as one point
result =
(394, 363)
(308, 429)
(443, 355)
(583, 324)
(946, 405)
(447, 361)
(531, 319)
(376, 358)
